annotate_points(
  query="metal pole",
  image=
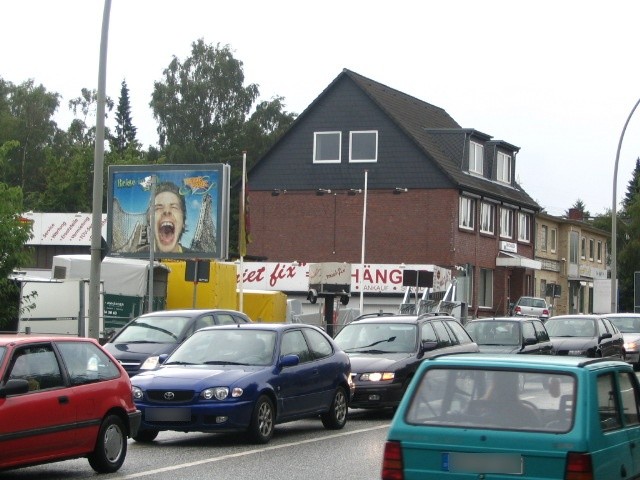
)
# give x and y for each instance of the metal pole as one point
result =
(98, 175)
(242, 241)
(152, 239)
(614, 221)
(364, 226)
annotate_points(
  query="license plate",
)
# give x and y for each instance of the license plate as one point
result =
(167, 414)
(482, 462)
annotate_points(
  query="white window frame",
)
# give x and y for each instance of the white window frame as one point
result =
(503, 171)
(363, 160)
(506, 222)
(487, 217)
(476, 157)
(467, 213)
(524, 227)
(553, 240)
(485, 288)
(316, 136)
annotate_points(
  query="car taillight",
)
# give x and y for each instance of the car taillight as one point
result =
(518, 310)
(392, 462)
(545, 313)
(579, 467)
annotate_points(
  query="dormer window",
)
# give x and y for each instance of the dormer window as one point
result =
(326, 147)
(476, 157)
(504, 168)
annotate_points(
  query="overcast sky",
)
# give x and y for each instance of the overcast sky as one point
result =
(557, 78)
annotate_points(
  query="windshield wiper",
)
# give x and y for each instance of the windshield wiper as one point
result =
(177, 362)
(223, 362)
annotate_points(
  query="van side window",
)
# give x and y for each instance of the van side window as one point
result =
(629, 397)
(608, 407)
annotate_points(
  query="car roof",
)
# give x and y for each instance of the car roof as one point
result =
(518, 318)
(403, 318)
(261, 326)
(24, 339)
(499, 360)
(621, 315)
(562, 317)
(189, 312)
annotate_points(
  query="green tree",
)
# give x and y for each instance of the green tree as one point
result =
(26, 113)
(201, 104)
(580, 206)
(633, 187)
(125, 136)
(85, 107)
(14, 234)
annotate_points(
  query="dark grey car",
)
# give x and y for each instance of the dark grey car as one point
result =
(140, 343)
(510, 335)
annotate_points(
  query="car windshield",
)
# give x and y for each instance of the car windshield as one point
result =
(499, 399)
(2, 350)
(494, 332)
(226, 347)
(377, 338)
(626, 324)
(570, 327)
(153, 329)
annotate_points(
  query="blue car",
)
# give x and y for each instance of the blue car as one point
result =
(465, 417)
(245, 378)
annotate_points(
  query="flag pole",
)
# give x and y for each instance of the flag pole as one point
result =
(242, 241)
(364, 225)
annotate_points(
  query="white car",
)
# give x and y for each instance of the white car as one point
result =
(532, 307)
(629, 326)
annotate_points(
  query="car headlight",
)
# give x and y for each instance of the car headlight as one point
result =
(150, 363)
(137, 393)
(220, 393)
(630, 346)
(377, 376)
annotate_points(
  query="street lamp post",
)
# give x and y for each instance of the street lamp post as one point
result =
(614, 226)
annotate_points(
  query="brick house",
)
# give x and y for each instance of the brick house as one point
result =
(436, 193)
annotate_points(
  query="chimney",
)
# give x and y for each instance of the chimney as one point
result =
(575, 214)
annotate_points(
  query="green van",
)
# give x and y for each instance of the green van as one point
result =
(494, 416)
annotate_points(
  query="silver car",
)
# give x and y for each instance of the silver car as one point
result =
(532, 307)
(629, 325)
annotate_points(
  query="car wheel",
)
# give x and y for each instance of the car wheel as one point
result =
(111, 446)
(146, 436)
(336, 417)
(262, 421)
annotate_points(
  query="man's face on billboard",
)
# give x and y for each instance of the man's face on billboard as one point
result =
(169, 222)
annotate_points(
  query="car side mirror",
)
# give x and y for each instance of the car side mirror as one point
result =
(605, 335)
(15, 386)
(289, 360)
(162, 358)
(530, 341)
(427, 345)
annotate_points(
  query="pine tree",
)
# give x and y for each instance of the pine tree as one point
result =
(633, 187)
(125, 136)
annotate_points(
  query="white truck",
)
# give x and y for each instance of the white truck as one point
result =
(59, 307)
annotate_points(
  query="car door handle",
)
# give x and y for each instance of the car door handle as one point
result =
(314, 371)
(63, 399)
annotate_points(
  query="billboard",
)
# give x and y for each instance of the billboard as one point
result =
(189, 205)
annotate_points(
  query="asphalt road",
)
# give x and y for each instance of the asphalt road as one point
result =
(298, 450)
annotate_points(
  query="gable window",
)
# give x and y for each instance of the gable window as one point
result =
(476, 157)
(524, 227)
(363, 146)
(467, 213)
(506, 222)
(504, 168)
(553, 240)
(487, 217)
(326, 147)
(544, 233)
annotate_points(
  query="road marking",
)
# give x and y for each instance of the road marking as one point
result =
(251, 452)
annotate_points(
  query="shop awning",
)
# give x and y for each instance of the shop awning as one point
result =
(507, 259)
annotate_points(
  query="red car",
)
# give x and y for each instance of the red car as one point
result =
(62, 398)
